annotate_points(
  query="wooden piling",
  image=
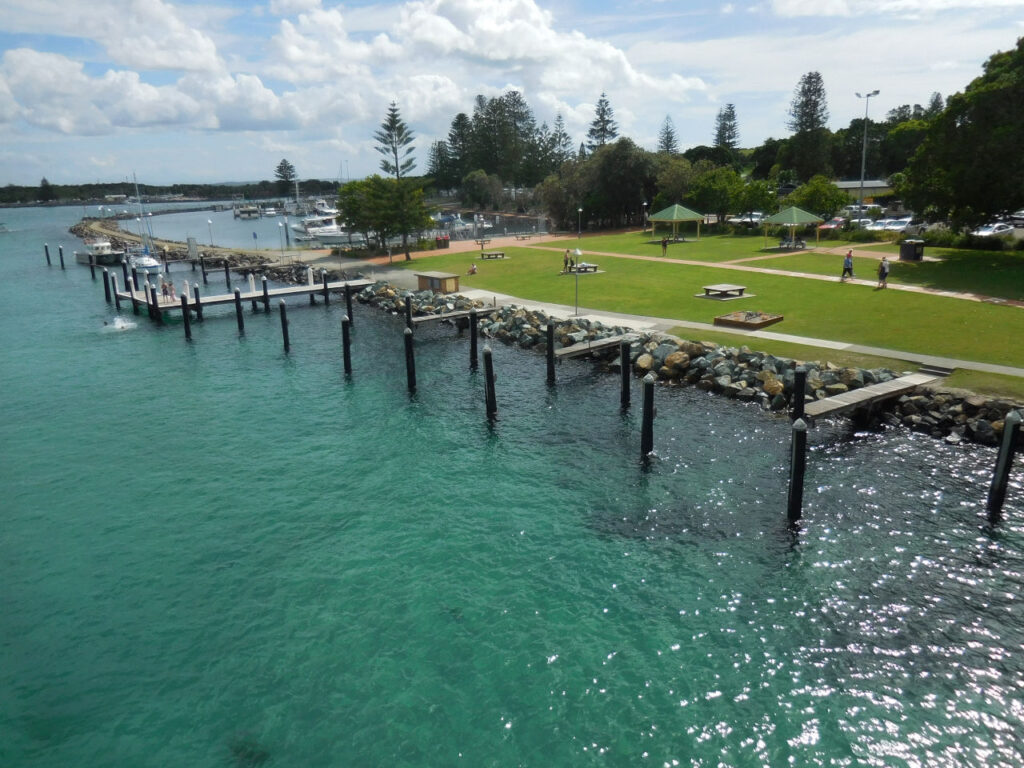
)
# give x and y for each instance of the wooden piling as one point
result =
(551, 350)
(198, 303)
(284, 325)
(106, 285)
(154, 303)
(408, 312)
(647, 423)
(266, 294)
(60, 251)
(113, 290)
(797, 465)
(489, 394)
(799, 393)
(46, 250)
(346, 344)
(410, 361)
(625, 373)
(238, 311)
(473, 320)
(327, 297)
(1001, 476)
(92, 267)
(135, 278)
(348, 303)
(252, 290)
(124, 271)
(227, 274)
(202, 266)
(185, 317)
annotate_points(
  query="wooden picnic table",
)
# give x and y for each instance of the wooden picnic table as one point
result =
(584, 267)
(724, 290)
(523, 237)
(492, 254)
(482, 242)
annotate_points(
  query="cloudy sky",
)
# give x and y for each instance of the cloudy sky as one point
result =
(179, 91)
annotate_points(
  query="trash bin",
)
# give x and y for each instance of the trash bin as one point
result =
(439, 242)
(912, 250)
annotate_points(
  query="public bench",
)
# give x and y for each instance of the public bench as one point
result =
(523, 237)
(585, 267)
(492, 254)
(482, 242)
(724, 291)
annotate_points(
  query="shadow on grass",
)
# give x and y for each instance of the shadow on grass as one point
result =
(989, 273)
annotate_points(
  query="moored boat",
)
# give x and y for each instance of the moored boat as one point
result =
(101, 251)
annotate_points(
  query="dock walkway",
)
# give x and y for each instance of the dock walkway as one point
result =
(586, 347)
(139, 297)
(837, 404)
(480, 311)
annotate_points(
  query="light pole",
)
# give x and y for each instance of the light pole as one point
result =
(864, 152)
(209, 223)
(643, 218)
(579, 224)
(280, 231)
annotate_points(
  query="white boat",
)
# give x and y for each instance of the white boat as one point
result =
(247, 212)
(271, 211)
(102, 253)
(143, 262)
(322, 208)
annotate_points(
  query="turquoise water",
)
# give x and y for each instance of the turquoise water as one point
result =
(218, 554)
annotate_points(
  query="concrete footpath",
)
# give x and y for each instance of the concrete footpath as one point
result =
(403, 278)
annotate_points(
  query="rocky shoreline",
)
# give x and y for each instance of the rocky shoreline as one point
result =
(736, 372)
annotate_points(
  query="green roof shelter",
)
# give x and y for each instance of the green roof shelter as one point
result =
(791, 217)
(673, 215)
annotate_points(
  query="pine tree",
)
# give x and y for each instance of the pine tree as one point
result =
(808, 113)
(561, 143)
(727, 134)
(603, 129)
(393, 140)
(667, 138)
(285, 175)
(935, 106)
(460, 146)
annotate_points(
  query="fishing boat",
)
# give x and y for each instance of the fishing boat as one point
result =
(101, 252)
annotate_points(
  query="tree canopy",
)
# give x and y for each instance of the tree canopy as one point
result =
(394, 141)
(603, 129)
(285, 175)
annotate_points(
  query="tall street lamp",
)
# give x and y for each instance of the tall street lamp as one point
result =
(209, 223)
(280, 231)
(579, 224)
(864, 152)
(577, 254)
(643, 217)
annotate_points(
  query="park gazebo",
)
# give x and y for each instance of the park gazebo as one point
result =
(673, 215)
(791, 217)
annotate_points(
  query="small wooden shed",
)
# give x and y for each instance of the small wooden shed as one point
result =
(439, 282)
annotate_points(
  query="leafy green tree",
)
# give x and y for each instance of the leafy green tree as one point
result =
(285, 175)
(617, 177)
(561, 143)
(757, 195)
(766, 157)
(674, 178)
(808, 149)
(460, 146)
(727, 133)
(603, 129)
(481, 190)
(716, 191)
(439, 166)
(46, 192)
(818, 196)
(970, 166)
(667, 138)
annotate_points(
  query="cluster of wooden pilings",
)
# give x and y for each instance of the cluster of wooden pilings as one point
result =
(798, 440)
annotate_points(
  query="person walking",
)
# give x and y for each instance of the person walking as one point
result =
(565, 261)
(664, 246)
(847, 267)
(883, 273)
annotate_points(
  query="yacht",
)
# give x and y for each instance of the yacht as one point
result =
(322, 208)
(101, 251)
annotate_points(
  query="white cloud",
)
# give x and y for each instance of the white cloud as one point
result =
(876, 7)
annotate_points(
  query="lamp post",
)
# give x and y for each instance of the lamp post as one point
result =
(209, 223)
(577, 254)
(864, 152)
(280, 231)
(579, 224)
(643, 218)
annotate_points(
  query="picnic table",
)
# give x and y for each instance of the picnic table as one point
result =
(492, 254)
(797, 244)
(584, 267)
(523, 237)
(724, 291)
(482, 242)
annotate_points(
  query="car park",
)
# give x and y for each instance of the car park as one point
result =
(878, 226)
(994, 229)
(832, 225)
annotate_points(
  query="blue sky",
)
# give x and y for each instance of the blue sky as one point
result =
(183, 91)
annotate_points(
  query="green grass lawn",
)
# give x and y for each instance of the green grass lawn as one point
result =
(842, 312)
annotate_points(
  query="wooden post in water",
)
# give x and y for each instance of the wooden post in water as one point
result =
(92, 266)
(1001, 477)
(46, 250)
(60, 250)
(124, 271)
(799, 392)
(346, 344)
(489, 394)
(410, 361)
(797, 465)
(266, 295)
(624, 372)
(551, 350)
(348, 302)
(135, 277)
(327, 298)
(227, 274)
(198, 302)
(252, 291)
(473, 320)
(135, 302)
(284, 325)
(185, 317)
(202, 266)
(155, 312)
(238, 311)
(106, 284)
(408, 312)
(647, 422)
(113, 290)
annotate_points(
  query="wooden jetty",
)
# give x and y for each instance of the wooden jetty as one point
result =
(586, 347)
(165, 304)
(866, 396)
(481, 311)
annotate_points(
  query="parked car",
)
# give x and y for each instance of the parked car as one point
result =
(860, 223)
(752, 219)
(1017, 217)
(995, 228)
(898, 225)
(878, 226)
(832, 225)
